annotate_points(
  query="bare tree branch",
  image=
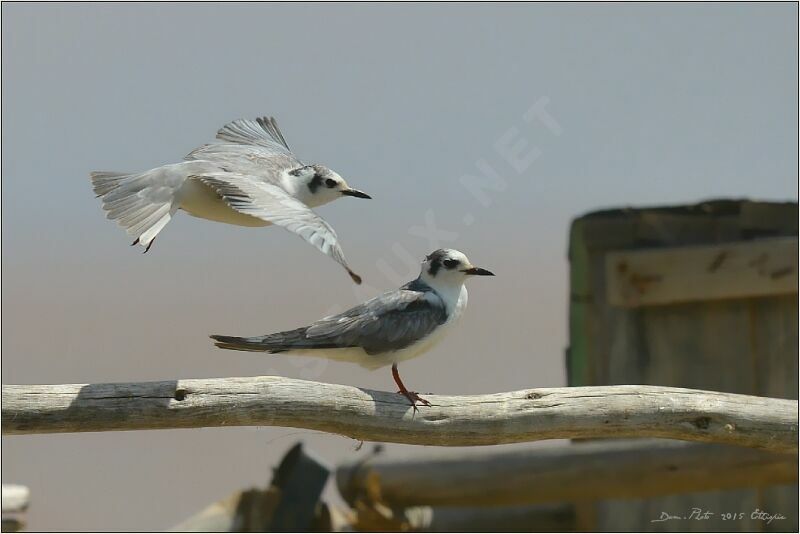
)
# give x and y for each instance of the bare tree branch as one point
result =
(517, 416)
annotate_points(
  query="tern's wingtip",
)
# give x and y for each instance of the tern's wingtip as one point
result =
(354, 276)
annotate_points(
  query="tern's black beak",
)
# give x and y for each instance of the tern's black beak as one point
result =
(355, 193)
(477, 271)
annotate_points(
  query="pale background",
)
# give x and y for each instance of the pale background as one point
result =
(655, 104)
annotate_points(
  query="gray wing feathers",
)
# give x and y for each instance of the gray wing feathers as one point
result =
(263, 131)
(249, 344)
(271, 203)
(250, 147)
(105, 181)
(280, 342)
(389, 322)
(246, 159)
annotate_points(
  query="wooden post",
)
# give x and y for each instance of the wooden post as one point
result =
(701, 296)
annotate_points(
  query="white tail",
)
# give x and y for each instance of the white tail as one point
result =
(142, 204)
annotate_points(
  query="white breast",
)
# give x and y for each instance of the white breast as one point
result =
(199, 200)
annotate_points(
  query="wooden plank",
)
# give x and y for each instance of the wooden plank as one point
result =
(769, 218)
(537, 518)
(579, 472)
(511, 417)
(744, 269)
(703, 344)
(774, 341)
(579, 369)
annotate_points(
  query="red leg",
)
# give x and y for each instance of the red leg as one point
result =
(412, 396)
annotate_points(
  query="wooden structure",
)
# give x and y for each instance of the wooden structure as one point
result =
(701, 296)
(517, 416)
(512, 417)
(596, 470)
(291, 503)
(536, 489)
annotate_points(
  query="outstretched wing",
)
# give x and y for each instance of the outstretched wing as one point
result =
(386, 323)
(247, 159)
(250, 147)
(252, 196)
(263, 132)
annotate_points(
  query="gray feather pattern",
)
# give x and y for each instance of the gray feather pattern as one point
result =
(389, 322)
(271, 203)
(263, 131)
(254, 147)
(247, 159)
(141, 203)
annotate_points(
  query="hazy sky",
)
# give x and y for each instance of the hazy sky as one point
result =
(637, 105)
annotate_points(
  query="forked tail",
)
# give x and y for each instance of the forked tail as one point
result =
(137, 202)
(280, 342)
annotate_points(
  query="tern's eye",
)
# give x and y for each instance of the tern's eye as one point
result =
(450, 263)
(330, 182)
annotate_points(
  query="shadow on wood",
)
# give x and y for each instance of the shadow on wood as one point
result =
(513, 417)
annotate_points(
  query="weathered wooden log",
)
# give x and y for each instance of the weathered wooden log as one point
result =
(517, 416)
(537, 518)
(633, 469)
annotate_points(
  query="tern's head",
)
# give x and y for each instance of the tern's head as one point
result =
(448, 266)
(324, 186)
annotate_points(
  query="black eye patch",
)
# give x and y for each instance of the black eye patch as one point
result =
(330, 182)
(450, 264)
(314, 184)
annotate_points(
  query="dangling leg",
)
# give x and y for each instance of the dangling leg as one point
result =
(412, 396)
(150, 244)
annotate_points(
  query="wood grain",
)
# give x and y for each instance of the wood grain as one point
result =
(517, 416)
(745, 269)
(619, 469)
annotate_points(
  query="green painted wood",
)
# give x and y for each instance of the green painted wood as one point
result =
(580, 294)
(740, 345)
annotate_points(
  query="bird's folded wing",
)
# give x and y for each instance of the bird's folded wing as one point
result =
(252, 196)
(389, 322)
(263, 131)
